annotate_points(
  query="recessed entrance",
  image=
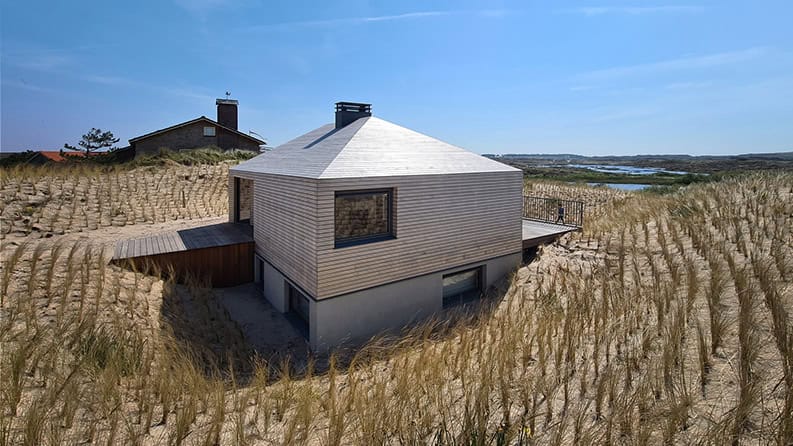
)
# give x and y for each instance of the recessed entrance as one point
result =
(259, 271)
(298, 303)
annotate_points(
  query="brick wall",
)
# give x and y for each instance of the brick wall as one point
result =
(192, 137)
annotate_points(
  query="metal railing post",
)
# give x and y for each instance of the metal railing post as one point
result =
(544, 209)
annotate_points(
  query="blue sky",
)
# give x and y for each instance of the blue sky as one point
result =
(593, 78)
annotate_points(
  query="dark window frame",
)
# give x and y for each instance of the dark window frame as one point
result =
(300, 321)
(467, 296)
(295, 294)
(390, 234)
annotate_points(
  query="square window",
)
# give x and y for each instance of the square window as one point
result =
(363, 217)
(209, 131)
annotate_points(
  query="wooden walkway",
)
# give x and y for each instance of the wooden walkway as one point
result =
(168, 246)
(537, 233)
(222, 234)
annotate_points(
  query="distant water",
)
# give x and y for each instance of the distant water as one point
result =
(629, 170)
(622, 186)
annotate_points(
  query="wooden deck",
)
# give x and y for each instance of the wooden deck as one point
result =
(537, 233)
(221, 254)
(222, 234)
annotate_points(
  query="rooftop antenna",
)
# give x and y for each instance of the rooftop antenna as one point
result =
(227, 95)
(263, 147)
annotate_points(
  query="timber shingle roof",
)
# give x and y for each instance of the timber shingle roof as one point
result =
(367, 147)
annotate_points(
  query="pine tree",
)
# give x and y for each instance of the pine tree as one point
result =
(94, 140)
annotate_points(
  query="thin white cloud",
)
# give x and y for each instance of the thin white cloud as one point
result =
(43, 62)
(187, 93)
(132, 83)
(26, 86)
(494, 12)
(37, 59)
(684, 63)
(375, 19)
(32, 57)
(115, 81)
(203, 7)
(351, 20)
(688, 85)
(391, 18)
(633, 10)
(623, 114)
(108, 80)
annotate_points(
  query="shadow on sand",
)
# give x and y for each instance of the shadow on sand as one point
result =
(237, 329)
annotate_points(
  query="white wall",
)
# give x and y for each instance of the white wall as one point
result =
(274, 288)
(354, 318)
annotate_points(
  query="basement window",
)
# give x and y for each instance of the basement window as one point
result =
(462, 287)
(209, 131)
(363, 217)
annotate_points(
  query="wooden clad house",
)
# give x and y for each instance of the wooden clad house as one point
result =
(364, 226)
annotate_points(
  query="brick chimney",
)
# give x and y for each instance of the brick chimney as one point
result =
(347, 112)
(227, 113)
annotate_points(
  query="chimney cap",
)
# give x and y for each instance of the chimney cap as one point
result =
(353, 107)
(226, 101)
(347, 112)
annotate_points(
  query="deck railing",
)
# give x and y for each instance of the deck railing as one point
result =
(547, 210)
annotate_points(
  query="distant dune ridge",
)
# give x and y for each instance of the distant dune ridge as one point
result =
(687, 163)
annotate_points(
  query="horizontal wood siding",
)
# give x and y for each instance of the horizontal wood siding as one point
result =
(441, 222)
(222, 266)
(284, 213)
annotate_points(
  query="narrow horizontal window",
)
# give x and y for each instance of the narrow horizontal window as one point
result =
(209, 131)
(363, 217)
(462, 287)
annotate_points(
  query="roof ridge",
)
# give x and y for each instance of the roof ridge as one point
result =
(366, 119)
(192, 121)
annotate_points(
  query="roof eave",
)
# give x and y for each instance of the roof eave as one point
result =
(193, 121)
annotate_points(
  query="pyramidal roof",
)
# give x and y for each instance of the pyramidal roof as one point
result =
(367, 147)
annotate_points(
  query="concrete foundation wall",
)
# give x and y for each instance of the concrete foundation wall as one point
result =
(353, 318)
(274, 287)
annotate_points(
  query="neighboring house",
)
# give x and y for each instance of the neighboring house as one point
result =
(200, 132)
(60, 156)
(365, 226)
(45, 156)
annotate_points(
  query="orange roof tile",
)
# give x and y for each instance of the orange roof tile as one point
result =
(59, 156)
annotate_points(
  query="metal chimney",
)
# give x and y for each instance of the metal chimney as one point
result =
(347, 112)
